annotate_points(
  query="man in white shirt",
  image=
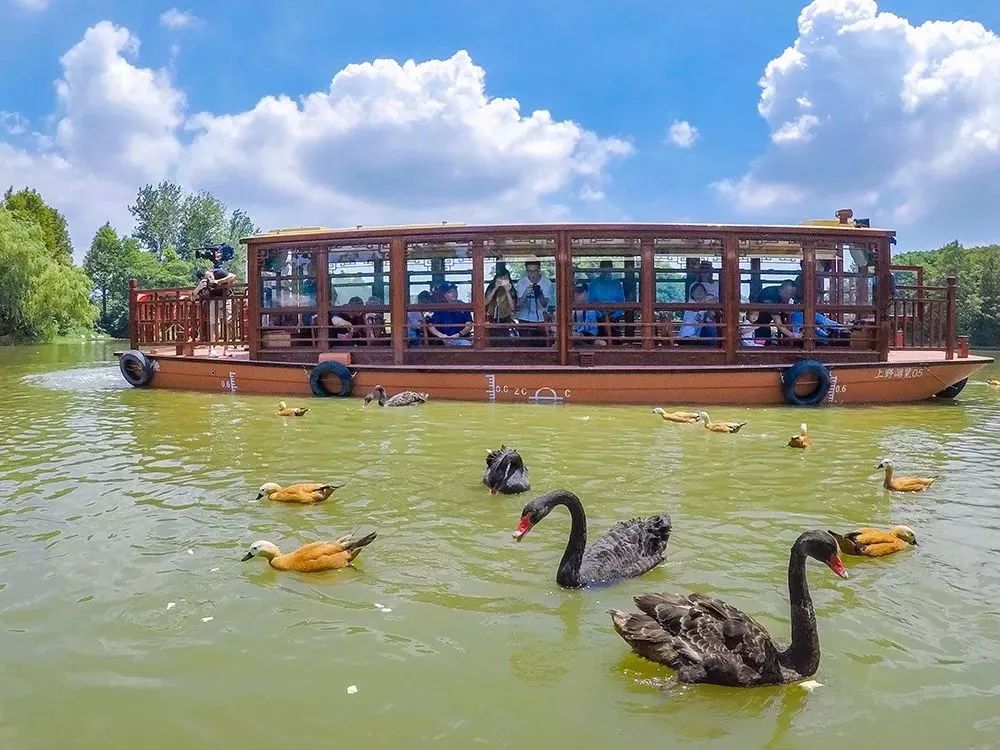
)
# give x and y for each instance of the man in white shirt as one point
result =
(534, 295)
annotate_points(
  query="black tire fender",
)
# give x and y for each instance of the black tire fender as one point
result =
(791, 376)
(136, 367)
(331, 368)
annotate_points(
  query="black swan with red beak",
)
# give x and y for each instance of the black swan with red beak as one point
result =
(706, 640)
(505, 472)
(628, 549)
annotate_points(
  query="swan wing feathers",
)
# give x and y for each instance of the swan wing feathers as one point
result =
(713, 641)
(627, 549)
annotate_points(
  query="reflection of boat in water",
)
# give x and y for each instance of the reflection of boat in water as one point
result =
(598, 314)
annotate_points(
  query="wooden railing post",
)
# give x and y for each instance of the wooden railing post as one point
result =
(882, 300)
(480, 333)
(647, 291)
(731, 295)
(399, 297)
(809, 301)
(133, 324)
(950, 321)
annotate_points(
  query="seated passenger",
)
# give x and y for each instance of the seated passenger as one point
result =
(706, 277)
(585, 321)
(375, 322)
(828, 330)
(748, 329)
(699, 323)
(451, 326)
(534, 295)
(501, 303)
(415, 320)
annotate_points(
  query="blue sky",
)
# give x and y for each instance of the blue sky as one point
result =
(876, 110)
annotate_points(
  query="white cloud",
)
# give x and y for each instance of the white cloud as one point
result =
(682, 134)
(32, 4)
(177, 19)
(385, 142)
(13, 123)
(900, 121)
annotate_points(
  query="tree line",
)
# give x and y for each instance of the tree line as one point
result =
(42, 293)
(977, 270)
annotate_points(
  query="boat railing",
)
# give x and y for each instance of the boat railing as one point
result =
(174, 317)
(922, 317)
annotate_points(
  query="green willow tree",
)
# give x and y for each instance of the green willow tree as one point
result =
(42, 296)
(29, 205)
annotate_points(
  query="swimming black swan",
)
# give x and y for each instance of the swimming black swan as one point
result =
(707, 640)
(505, 472)
(628, 549)
(406, 398)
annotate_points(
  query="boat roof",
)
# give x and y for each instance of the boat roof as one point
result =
(814, 227)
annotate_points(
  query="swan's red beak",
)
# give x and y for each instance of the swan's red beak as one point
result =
(522, 528)
(493, 490)
(837, 566)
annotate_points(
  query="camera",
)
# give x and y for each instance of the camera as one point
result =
(537, 289)
(208, 252)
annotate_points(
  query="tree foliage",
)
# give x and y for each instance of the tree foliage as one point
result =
(977, 270)
(41, 296)
(28, 205)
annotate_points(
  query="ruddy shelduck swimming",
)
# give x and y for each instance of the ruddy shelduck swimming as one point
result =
(719, 426)
(802, 440)
(297, 493)
(681, 417)
(903, 484)
(314, 557)
(290, 411)
(871, 542)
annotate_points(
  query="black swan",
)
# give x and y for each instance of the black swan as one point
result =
(406, 398)
(505, 472)
(706, 640)
(628, 549)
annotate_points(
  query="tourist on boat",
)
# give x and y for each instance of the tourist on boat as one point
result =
(415, 320)
(375, 321)
(699, 324)
(605, 289)
(706, 276)
(828, 330)
(774, 295)
(452, 327)
(534, 294)
(341, 328)
(748, 329)
(501, 303)
(585, 329)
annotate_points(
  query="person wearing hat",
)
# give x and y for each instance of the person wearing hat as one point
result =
(706, 277)
(534, 293)
(451, 326)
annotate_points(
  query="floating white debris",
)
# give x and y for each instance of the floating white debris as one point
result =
(385, 610)
(378, 606)
(171, 605)
(190, 551)
(214, 570)
(352, 689)
(810, 685)
(207, 619)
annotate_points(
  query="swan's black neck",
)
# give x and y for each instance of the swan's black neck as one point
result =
(803, 653)
(568, 574)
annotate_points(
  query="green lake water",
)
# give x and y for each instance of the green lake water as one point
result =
(115, 502)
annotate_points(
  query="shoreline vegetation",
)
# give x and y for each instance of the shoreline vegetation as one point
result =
(46, 296)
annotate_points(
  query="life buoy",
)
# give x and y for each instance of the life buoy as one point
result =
(952, 390)
(330, 368)
(136, 367)
(806, 367)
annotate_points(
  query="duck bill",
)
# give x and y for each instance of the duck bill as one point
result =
(259, 496)
(246, 557)
(522, 528)
(837, 566)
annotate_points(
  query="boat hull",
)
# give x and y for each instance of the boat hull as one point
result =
(884, 382)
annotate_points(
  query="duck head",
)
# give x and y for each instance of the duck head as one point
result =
(702, 417)
(266, 489)
(378, 392)
(282, 405)
(263, 548)
(905, 533)
(803, 428)
(885, 463)
(659, 410)
(820, 545)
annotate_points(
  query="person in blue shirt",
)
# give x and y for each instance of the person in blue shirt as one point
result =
(828, 330)
(585, 321)
(415, 320)
(606, 289)
(451, 326)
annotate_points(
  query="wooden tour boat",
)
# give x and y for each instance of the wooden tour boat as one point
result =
(669, 314)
